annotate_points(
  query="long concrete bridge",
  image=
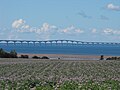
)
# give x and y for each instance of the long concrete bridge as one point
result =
(72, 42)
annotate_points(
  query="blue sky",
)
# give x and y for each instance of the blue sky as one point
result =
(84, 20)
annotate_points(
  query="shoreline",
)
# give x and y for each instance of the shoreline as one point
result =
(66, 56)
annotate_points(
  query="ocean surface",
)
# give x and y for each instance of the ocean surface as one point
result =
(63, 49)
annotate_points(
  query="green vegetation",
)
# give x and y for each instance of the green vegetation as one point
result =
(4, 54)
(13, 54)
(36, 57)
(24, 74)
(24, 56)
(113, 58)
(67, 85)
(43, 57)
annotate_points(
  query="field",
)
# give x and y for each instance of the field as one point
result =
(31, 74)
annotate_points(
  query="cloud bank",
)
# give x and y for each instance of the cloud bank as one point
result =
(22, 30)
(44, 31)
(113, 7)
(110, 31)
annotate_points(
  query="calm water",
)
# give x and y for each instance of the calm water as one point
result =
(64, 49)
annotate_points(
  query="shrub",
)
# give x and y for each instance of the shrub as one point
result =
(24, 56)
(113, 58)
(36, 57)
(44, 57)
(13, 54)
(108, 58)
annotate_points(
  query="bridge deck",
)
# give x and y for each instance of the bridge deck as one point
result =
(73, 42)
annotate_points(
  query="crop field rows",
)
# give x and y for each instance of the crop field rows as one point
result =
(31, 74)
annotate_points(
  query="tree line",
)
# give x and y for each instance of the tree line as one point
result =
(109, 58)
(13, 54)
(113, 58)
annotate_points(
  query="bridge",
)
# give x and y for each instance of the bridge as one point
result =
(57, 42)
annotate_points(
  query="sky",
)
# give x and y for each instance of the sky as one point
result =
(83, 20)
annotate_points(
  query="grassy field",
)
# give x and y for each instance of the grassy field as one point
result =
(30, 74)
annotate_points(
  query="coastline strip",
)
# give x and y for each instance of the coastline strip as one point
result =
(66, 56)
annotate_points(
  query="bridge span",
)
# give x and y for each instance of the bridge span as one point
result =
(72, 42)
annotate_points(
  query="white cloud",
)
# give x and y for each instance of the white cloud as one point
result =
(68, 30)
(48, 31)
(111, 31)
(18, 23)
(108, 31)
(45, 31)
(21, 26)
(71, 30)
(79, 31)
(38, 30)
(111, 6)
(47, 27)
(25, 26)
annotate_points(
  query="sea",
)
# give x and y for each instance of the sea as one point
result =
(81, 49)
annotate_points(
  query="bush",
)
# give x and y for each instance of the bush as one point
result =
(13, 54)
(24, 56)
(36, 57)
(113, 58)
(44, 57)
(108, 58)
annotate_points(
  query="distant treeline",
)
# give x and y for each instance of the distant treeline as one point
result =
(34, 57)
(113, 58)
(13, 54)
(109, 58)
